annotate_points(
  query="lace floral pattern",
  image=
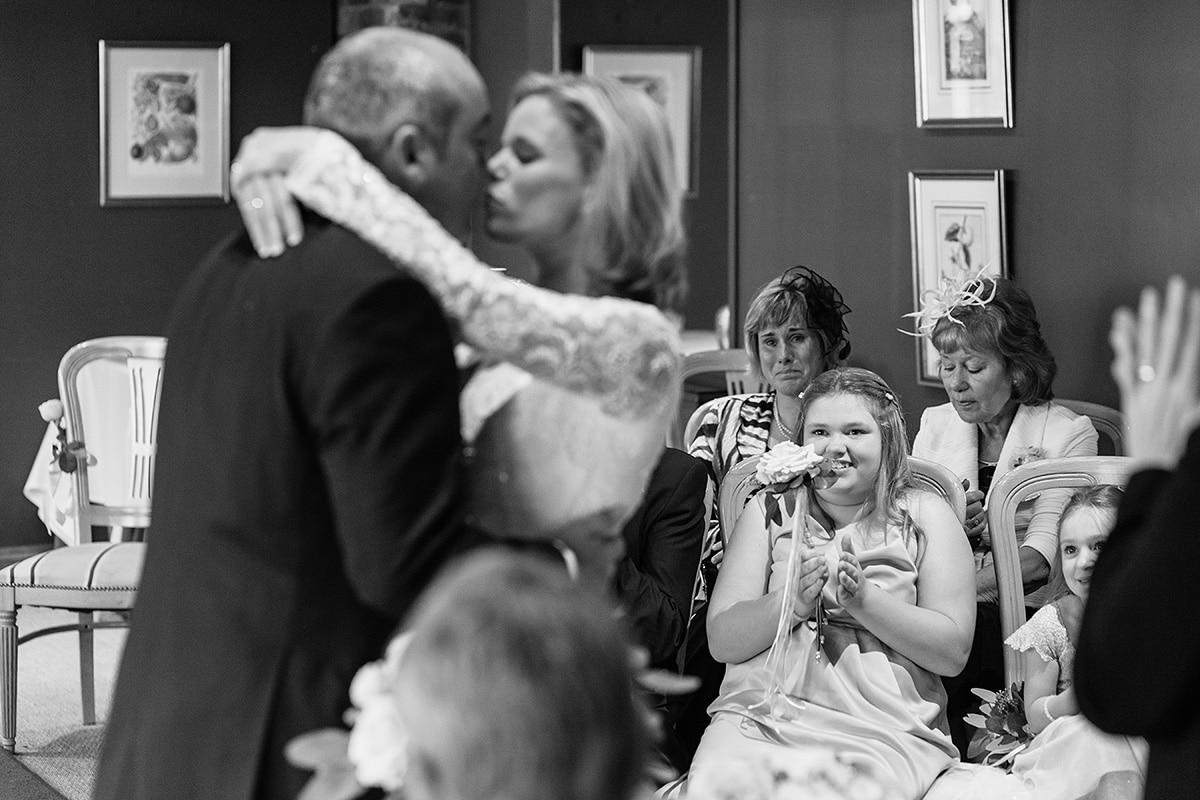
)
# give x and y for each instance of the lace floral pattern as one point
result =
(623, 352)
(1044, 632)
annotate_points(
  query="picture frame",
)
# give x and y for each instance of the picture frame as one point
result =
(446, 19)
(164, 123)
(959, 229)
(670, 75)
(963, 63)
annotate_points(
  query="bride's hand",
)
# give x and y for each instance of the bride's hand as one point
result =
(257, 175)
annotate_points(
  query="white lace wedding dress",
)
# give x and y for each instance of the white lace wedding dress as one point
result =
(568, 419)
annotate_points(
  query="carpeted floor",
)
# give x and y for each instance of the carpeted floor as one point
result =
(18, 783)
(52, 740)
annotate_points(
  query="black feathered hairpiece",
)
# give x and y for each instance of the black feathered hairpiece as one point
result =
(824, 306)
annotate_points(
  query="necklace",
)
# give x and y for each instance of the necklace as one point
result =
(788, 433)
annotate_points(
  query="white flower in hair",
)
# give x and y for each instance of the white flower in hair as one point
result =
(378, 746)
(51, 410)
(970, 289)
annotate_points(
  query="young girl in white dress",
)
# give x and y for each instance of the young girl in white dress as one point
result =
(1069, 757)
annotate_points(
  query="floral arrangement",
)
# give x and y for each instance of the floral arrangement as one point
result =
(374, 753)
(378, 746)
(1003, 728)
(824, 776)
(67, 454)
(782, 471)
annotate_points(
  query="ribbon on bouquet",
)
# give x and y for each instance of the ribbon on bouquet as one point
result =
(793, 467)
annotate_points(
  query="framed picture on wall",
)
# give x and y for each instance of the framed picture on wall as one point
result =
(958, 232)
(671, 76)
(962, 63)
(164, 123)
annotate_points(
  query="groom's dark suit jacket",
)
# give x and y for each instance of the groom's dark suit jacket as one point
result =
(306, 489)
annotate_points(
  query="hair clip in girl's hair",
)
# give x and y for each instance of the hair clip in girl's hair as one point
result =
(891, 398)
(977, 289)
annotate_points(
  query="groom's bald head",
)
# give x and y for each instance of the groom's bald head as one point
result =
(415, 108)
(374, 80)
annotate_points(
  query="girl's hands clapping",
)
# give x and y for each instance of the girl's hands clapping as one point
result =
(852, 585)
(811, 575)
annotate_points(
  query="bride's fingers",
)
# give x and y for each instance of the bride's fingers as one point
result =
(261, 216)
(250, 206)
(287, 209)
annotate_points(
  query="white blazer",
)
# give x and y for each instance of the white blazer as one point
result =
(1037, 432)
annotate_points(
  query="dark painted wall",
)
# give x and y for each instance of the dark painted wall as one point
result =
(69, 269)
(1104, 160)
(511, 38)
(678, 22)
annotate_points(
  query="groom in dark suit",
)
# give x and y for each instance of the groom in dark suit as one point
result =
(308, 480)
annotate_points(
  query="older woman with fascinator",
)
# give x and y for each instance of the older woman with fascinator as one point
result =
(998, 373)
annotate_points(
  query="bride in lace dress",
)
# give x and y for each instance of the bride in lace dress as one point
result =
(566, 414)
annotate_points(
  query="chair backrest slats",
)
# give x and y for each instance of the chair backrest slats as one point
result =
(1109, 422)
(110, 389)
(734, 368)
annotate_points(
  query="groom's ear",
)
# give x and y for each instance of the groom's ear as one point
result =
(414, 156)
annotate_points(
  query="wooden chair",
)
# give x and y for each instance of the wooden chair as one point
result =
(91, 576)
(1019, 484)
(1108, 422)
(936, 478)
(736, 489)
(733, 369)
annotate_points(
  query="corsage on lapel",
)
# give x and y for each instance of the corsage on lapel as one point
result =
(1025, 455)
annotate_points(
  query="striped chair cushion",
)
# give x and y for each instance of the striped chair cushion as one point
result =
(66, 576)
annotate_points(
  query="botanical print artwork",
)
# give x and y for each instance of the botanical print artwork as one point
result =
(163, 120)
(964, 241)
(656, 85)
(965, 40)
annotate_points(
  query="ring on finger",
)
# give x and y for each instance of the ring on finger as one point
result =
(256, 202)
(1146, 373)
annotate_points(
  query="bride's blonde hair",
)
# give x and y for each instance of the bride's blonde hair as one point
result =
(632, 217)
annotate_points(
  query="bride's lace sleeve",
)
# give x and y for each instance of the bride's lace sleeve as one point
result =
(623, 352)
